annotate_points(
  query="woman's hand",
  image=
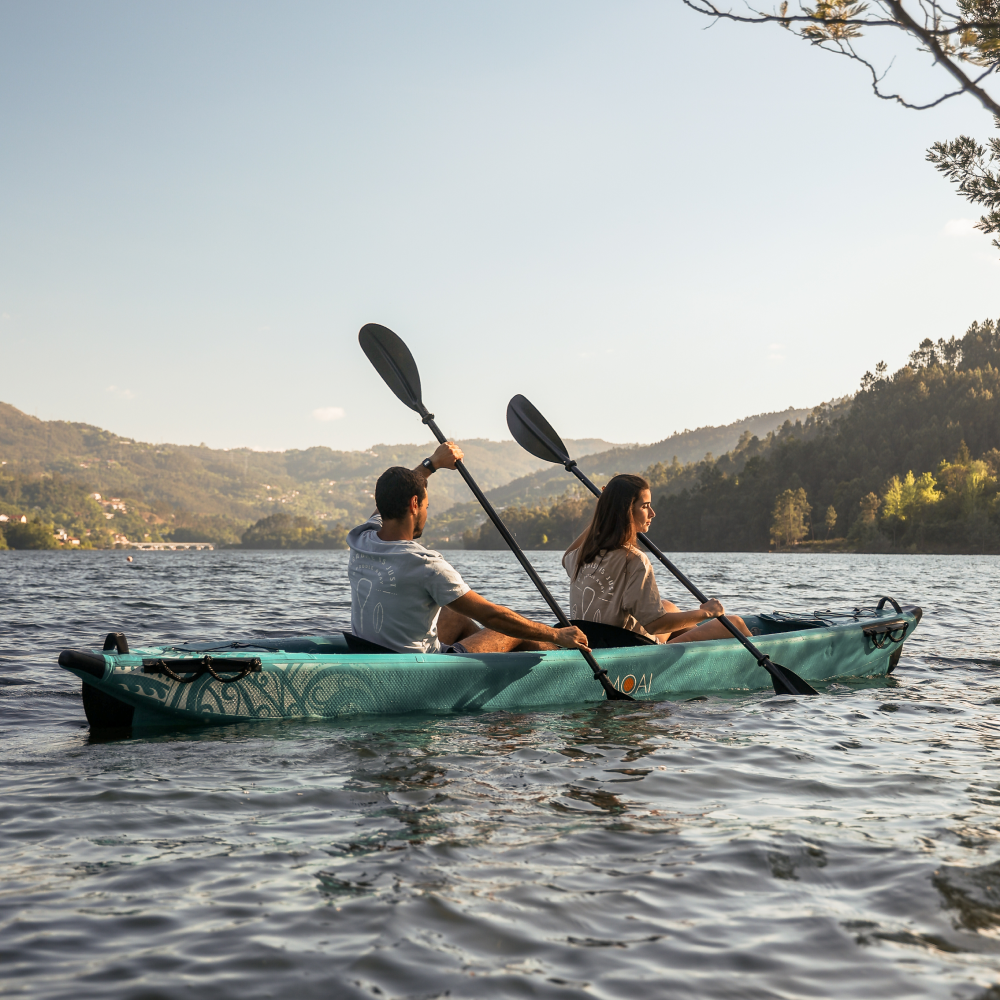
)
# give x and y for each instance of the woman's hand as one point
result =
(713, 608)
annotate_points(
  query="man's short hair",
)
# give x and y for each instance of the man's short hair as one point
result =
(394, 490)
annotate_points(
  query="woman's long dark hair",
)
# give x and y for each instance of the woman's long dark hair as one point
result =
(611, 526)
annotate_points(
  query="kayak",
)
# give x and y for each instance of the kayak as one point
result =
(337, 676)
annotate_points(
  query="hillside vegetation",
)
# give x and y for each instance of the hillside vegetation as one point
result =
(188, 493)
(910, 463)
(51, 469)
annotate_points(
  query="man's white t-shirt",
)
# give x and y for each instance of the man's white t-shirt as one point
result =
(398, 590)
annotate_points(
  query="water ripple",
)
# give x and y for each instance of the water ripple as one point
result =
(841, 846)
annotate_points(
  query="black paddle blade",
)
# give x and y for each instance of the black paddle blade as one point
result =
(534, 433)
(614, 694)
(391, 358)
(786, 681)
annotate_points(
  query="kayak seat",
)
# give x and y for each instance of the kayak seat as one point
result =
(601, 636)
(355, 644)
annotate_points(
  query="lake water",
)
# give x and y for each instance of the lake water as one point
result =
(846, 845)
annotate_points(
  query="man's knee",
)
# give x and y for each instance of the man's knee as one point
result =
(669, 607)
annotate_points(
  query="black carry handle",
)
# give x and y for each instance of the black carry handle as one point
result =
(536, 435)
(193, 669)
(392, 359)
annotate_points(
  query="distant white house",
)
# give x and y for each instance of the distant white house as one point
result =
(14, 519)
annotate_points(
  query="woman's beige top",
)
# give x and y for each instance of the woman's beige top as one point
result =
(617, 588)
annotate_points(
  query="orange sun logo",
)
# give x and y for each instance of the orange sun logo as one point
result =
(628, 684)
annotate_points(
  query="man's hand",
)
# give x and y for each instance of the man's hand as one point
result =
(571, 638)
(446, 455)
(713, 608)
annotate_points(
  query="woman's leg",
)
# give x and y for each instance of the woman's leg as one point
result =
(712, 629)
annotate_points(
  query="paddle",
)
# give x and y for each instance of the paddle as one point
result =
(393, 361)
(535, 434)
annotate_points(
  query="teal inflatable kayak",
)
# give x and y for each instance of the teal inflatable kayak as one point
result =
(333, 676)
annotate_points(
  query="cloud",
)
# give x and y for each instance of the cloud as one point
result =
(329, 413)
(960, 227)
(774, 352)
(120, 393)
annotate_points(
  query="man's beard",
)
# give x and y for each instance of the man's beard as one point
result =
(417, 532)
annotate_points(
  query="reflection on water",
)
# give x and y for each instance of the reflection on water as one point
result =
(840, 846)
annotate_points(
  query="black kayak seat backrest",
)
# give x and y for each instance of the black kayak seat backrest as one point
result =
(602, 636)
(355, 644)
(115, 642)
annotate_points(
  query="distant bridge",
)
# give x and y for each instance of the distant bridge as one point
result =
(168, 546)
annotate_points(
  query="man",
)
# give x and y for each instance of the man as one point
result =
(407, 597)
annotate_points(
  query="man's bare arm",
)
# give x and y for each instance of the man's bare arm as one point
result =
(507, 622)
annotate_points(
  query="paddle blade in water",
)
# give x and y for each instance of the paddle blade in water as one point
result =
(786, 681)
(391, 358)
(534, 433)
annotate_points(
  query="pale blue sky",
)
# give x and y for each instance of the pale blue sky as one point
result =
(639, 224)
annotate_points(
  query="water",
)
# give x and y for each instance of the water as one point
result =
(752, 847)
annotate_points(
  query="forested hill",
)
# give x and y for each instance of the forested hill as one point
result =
(910, 463)
(686, 446)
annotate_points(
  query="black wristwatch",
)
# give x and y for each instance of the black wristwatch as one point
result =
(428, 464)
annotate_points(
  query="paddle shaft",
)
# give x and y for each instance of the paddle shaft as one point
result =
(599, 672)
(571, 466)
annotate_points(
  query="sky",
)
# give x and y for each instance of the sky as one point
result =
(641, 223)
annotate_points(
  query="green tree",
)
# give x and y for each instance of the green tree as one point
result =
(830, 519)
(972, 168)
(31, 535)
(285, 531)
(869, 509)
(864, 533)
(543, 527)
(790, 517)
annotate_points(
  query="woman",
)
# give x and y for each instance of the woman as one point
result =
(612, 581)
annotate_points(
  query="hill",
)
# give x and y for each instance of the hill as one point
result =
(685, 447)
(457, 526)
(910, 463)
(204, 494)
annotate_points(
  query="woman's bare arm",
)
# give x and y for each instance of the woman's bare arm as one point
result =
(674, 621)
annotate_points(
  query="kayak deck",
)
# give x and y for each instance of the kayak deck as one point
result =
(321, 677)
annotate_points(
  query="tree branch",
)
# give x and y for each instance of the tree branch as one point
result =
(930, 34)
(927, 37)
